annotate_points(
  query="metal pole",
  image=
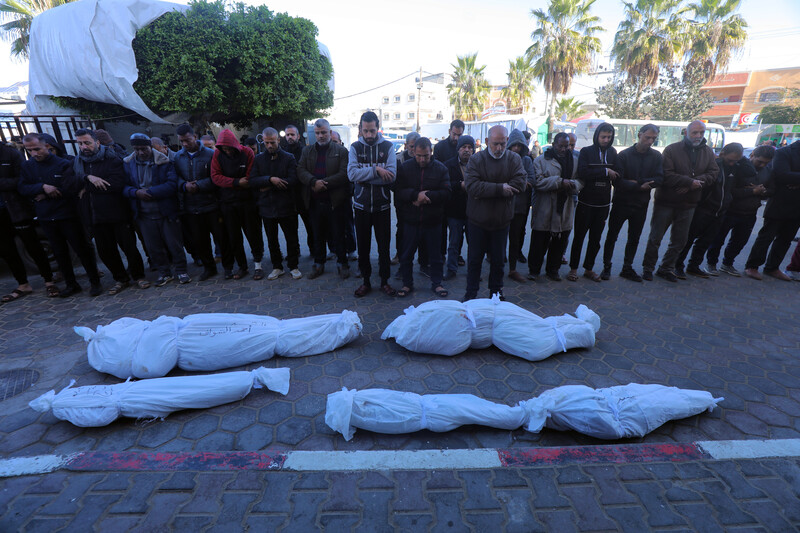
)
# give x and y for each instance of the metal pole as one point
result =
(419, 95)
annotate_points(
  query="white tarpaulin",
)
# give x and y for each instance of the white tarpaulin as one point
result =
(99, 405)
(83, 50)
(447, 327)
(624, 411)
(130, 347)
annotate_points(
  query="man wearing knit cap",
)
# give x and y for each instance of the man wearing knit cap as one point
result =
(152, 187)
(456, 207)
(492, 179)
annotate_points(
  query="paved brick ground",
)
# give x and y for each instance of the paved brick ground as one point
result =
(736, 338)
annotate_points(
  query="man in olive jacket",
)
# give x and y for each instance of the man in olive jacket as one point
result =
(689, 166)
(493, 177)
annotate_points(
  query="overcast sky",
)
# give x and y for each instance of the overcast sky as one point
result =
(375, 42)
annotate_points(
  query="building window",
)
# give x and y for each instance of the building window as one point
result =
(411, 114)
(386, 116)
(397, 116)
(439, 116)
(397, 99)
(773, 94)
(385, 99)
(412, 97)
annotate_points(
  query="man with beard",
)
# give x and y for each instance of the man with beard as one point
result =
(405, 155)
(447, 148)
(50, 181)
(230, 168)
(689, 166)
(371, 167)
(642, 170)
(554, 208)
(421, 190)
(741, 215)
(322, 171)
(293, 143)
(456, 207)
(104, 176)
(493, 177)
(274, 177)
(597, 168)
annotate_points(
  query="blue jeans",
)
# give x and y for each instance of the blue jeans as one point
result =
(481, 243)
(164, 238)
(457, 228)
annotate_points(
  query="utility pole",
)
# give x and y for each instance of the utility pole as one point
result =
(419, 95)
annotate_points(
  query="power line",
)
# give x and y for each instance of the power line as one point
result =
(384, 85)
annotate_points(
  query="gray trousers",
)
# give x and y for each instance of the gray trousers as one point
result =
(163, 239)
(663, 217)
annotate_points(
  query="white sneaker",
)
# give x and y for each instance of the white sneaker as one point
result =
(275, 274)
(296, 274)
(793, 274)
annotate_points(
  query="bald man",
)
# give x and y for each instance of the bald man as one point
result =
(690, 167)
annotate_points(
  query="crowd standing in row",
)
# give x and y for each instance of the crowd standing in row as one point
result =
(220, 189)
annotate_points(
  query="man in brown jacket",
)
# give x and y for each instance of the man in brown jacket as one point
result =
(492, 179)
(689, 167)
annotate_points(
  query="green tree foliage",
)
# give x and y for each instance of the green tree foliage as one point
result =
(233, 65)
(570, 107)
(469, 89)
(618, 99)
(519, 92)
(718, 32)
(678, 98)
(19, 16)
(780, 114)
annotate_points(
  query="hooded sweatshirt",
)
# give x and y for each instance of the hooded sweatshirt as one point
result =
(371, 194)
(522, 200)
(596, 190)
(717, 198)
(226, 171)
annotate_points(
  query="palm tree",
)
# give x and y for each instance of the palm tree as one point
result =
(564, 45)
(519, 92)
(570, 107)
(719, 32)
(469, 89)
(652, 35)
(19, 14)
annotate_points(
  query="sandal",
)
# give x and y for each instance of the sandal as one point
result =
(52, 290)
(117, 287)
(362, 291)
(16, 294)
(592, 276)
(572, 276)
(258, 274)
(143, 283)
(388, 290)
(441, 292)
(403, 292)
(242, 272)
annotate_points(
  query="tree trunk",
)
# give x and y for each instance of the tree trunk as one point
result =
(551, 116)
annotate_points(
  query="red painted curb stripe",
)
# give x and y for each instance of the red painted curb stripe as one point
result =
(629, 453)
(196, 461)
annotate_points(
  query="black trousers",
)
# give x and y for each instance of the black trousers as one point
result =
(289, 226)
(740, 227)
(240, 218)
(8, 248)
(381, 222)
(516, 236)
(329, 226)
(635, 217)
(779, 234)
(26, 232)
(482, 242)
(591, 220)
(109, 238)
(702, 233)
(419, 236)
(200, 227)
(552, 244)
(67, 233)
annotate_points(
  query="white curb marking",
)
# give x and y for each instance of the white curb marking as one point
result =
(750, 449)
(392, 460)
(38, 464)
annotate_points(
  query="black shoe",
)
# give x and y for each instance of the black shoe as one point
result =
(469, 296)
(679, 273)
(531, 276)
(631, 275)
(461, 261)
(646, 275)
(448, 275)
(697, 271)
(96, 289)
(209, 273)
(669, 276)
(316, 271)
(69, 290)
(552, 276)
(229, 274)
(606, 274)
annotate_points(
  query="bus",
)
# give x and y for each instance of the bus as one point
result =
(626, 133)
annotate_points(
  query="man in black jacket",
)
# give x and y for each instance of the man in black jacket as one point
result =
(597, 168)
(447, 149)
(52, 184)
(293, 143)
(456, 207)
(642, 170)
(274, 178)
(713, 205)
(422, 188)
(781, 216)
(104, 176)
(741, 216)
(16, 219)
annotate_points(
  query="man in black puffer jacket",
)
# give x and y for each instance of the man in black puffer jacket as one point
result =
(50, 181)
(713, 205)
(422, 189)
(274, 178)
(104, 176)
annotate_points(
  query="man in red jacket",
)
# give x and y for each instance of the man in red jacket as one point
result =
(230, 168)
